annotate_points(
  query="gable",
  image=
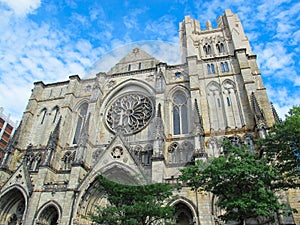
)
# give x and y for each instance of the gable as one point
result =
(135, 60)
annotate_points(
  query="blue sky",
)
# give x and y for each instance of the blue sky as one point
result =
(48, 40)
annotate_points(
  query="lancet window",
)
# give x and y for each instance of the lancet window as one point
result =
(43, 114)
(224, 67)
(210, 68)
(80, 121)
(180, 113)
(207, 49)
(216, 106)
(55, 111)
(220, 47)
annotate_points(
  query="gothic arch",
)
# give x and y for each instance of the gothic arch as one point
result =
(13, 206)
(216, 106)
(232, 104)
(42, 115)
(55, 113)
(185, 213)
(81, 111)
(216, 211)
(91, 197)
(180, 109)
(120, 171)
(127, 86)
(89, 194)
(49, 214)
(126, 97)
(41, 123)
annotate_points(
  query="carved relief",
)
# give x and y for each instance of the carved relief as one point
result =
(117, 152)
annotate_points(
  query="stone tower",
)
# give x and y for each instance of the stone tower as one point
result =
(140, 122)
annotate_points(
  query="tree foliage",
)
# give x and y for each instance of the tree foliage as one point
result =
(239, 181)
(134, 204)
(281, 149)
(244, 183)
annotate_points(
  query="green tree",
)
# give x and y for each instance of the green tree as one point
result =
(240, 181)
(134, 204)
(281, 149)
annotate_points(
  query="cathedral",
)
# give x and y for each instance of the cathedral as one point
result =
(142, 121)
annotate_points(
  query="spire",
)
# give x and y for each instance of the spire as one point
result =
(258, 116)
(51, 145)
(275, 115)
(159, 126)
(11, 145)
(258, 113)
(158, 134)
(208, 25)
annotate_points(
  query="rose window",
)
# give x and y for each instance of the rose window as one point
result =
(129, 113)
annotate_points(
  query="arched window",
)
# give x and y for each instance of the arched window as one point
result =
(129, 67)
(233, 110)
(224, 67)
(210, 68)
(140, 66)
(216, 106)
(81, 117)
(207, 49)
(43, 113)
(55, 110)
(220, 47)
(180, 113)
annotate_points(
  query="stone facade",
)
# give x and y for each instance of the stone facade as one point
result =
(140, 122)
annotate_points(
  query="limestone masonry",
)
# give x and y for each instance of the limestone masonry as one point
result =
(140, 122)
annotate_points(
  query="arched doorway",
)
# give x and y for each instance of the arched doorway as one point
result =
(12, 207)
(48, 216)
(183, 214)
(93, 197)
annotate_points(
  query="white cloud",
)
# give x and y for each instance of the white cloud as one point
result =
(22, 7)
(163, 28)
(31, 52)
(131, 19)
(273, 56)
(296, 38)
(283, 99)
